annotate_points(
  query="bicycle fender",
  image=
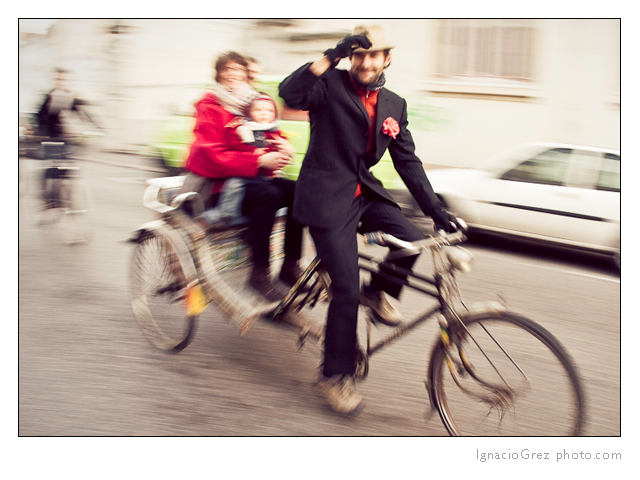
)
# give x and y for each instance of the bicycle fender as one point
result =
(486, 307)
(159, 227)
(138, 235)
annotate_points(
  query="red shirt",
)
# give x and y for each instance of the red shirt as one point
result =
(370, 102)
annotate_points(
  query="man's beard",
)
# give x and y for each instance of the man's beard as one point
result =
(375, 83)
(373, 76)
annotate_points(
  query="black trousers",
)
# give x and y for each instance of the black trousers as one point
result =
(263, 197)
(337, 248)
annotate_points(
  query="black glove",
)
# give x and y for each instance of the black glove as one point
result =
(346, 46)
(445, 221)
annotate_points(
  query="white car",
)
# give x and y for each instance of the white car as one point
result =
(563, 194)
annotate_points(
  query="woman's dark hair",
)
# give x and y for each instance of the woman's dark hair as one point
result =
(227, 58)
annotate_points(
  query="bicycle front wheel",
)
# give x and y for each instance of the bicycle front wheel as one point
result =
(519, 380)
(43, 203)
(158, 295)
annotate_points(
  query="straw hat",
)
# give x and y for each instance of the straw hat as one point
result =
(376, 36)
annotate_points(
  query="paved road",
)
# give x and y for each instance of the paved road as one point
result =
(85, 369)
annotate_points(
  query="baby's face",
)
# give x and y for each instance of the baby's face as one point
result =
(263, 112)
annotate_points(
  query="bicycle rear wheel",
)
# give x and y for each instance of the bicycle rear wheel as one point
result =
(534, 390)
(158, 295)
(74, 223)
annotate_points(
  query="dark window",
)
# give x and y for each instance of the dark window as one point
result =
(547, 168)
(609, 178)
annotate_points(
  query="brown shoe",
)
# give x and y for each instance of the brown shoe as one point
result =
(261, 282)
(382, 310)
(339, 391)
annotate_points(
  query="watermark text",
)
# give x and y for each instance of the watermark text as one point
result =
(526, 454)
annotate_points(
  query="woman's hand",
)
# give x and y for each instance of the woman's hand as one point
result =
(283, 146)
(273, 161)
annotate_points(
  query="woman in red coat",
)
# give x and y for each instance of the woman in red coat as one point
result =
(216, 154)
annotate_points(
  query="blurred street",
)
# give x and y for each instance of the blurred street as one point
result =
(85, 368)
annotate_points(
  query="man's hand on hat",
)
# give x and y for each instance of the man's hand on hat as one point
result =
(345, 46)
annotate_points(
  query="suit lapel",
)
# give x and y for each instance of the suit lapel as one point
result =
(353, 94)
(384, 111)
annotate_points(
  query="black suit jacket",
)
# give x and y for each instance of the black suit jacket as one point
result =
(336, 160)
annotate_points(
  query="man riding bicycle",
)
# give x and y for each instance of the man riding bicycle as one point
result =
(354, 120)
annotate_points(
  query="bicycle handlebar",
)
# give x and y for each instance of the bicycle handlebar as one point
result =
(386, 240)
(71, 137)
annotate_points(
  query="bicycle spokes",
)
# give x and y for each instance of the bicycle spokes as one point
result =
(503, 374)
(494, 389)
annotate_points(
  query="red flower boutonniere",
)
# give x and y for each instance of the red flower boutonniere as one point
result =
(390, 127)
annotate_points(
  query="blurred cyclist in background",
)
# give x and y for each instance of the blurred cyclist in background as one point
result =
(58, 103)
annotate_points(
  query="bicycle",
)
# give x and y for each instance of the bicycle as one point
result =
(60, 198)
(490, 371)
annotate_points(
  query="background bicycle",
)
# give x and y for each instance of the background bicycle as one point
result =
(54, 188)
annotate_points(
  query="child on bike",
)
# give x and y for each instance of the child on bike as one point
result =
(259, 129)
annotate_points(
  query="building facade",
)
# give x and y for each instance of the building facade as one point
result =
(474, 87)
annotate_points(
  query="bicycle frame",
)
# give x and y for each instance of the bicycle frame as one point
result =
(196, 259)
(59, 160)
(407, 278)
(460, 344)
